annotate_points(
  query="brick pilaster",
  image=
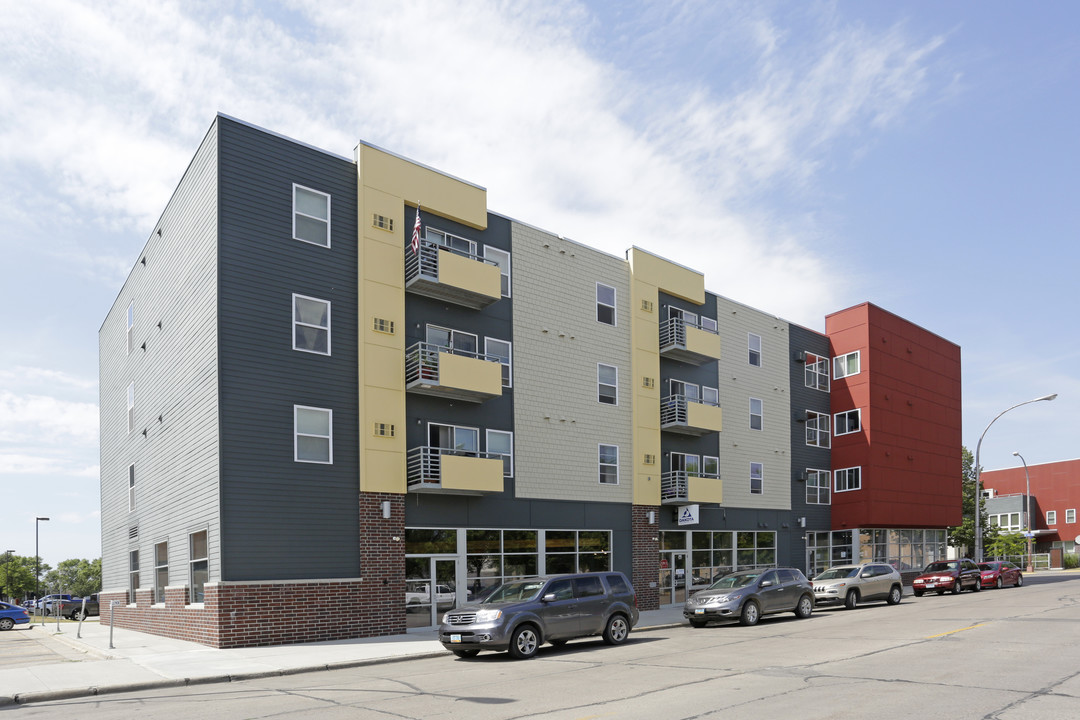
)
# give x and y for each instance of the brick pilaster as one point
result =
(646, 548)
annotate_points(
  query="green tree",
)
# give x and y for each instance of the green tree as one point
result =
(1007, 545)
(963, 535)
(77, 577)
(16, 576)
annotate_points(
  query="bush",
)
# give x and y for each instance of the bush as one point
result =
(1070, 561)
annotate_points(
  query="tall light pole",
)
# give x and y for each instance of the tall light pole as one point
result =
(37, 561)
(978, 487)
(1027, 507)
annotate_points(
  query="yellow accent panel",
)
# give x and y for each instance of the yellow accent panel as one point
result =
(704, 490)
(383, 263)
(647, 410)
(466, 473)
(700, 415)
(667, 276)
(383, 368)
(468, 274)
(376, 201)
(383, 471)
(447, 196)
(646, 335)
(647, 488)
(466, 373)
(387, 303)
(703, 342)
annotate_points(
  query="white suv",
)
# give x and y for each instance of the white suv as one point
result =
(853, 584)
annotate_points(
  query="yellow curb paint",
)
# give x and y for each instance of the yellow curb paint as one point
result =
(972, 627)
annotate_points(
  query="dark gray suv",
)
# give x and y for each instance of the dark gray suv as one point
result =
(521, 615)
(749, 594)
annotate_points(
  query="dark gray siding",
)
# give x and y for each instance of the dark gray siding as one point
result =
(282, 519)
(173, 365)
(805, 456)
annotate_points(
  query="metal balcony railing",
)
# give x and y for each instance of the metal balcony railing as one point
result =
(673, 332)
(425, 263)
(673, 409)
(422, 361)
(674, 484)
(424, 463)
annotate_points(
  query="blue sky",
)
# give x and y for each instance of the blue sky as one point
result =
(805, 156)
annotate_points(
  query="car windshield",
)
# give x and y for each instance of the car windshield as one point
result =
(516, 591)
(940, 567)
(735, 580)
(838, 573)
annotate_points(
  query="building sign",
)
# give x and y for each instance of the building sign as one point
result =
(689, 514)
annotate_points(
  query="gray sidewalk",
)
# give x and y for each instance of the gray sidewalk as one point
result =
(139, 661)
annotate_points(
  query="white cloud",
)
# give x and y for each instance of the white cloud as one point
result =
(47, 421)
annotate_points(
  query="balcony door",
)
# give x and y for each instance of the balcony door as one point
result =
(463, 440)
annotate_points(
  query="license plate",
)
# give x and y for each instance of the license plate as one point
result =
(931, 585)
(455, 638)
(699, 611)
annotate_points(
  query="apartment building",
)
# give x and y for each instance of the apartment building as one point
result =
(304, 409)
(1045, 499)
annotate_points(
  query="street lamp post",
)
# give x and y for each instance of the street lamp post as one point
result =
(978, 487)
(37, 561)
(1027, 507)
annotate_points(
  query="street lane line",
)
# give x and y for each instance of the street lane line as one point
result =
(972, 627)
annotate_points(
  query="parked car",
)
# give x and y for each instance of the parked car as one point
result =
(521, 615)
(418, 595)
(750, 594)
(44, 605)
(73, 608)
(12, 615)
(948, 575)
(852, 584)
(997, 574)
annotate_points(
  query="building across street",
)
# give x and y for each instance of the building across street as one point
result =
(341, 396)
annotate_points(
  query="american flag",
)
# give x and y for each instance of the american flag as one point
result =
(416, 232)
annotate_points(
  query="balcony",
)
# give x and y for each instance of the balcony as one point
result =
(452, 275)
(453, 472)
(689, 417)
(688, 342)
(679, 487)
(454, 374)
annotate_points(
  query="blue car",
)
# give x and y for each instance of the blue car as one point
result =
(12, 615)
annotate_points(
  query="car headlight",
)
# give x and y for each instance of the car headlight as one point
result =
(488, 615)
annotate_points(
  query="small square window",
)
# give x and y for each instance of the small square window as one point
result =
(311, 216)
(848, 422)
(845, 365)
(605, 304)
(817, 486)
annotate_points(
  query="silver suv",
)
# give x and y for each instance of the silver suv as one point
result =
(852, 584)
(521, 615)
(749, 594)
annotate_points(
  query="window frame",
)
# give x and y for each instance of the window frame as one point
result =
(508, 366)
(329, 436)
(298, 186)
(453, 333)
(814, 478)
(198, 591)
(159, 585)
(750, 351)
(847, 473)
(760, 478)
(133, 575)
(600, 385)
(760, 415)
(131, 488)
(601, 464)
(490, 248)
(813, 364)
(447, 241)
(813, 422)
(613, 306)
(297, 322)
(487, 444)
(1070, 516)
(847, 413)
(468, 429)
(130, 327)
(131, 406)
(1051, 517)
(837, 360)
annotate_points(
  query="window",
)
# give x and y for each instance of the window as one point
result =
(502, 259)
(161, 571)
(683, 462)
(757, 478)
(456, 341)
(131, 406)
(199, 565)
(457, 245)
(690, 391)
(501, 442)
(1009, 522)
(817, 429)
(848, 479)
(312, 430)
(817, 487)
(311, 324)
(817, 372)
(131, 488)
(311, 216)
(605, 304)
(607, 381)
(754, 345)
(848, 422)
(462, 440)
(130, 326)
(1070, 515)
(710, 396)
(609, 464)
(501, 349)
(710, 466)
(133, 575)
(756, 411)
(708, 324)
(844, 365)
(1051, 517)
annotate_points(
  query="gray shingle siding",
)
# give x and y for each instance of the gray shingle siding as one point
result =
(805, 456)
(282, 519)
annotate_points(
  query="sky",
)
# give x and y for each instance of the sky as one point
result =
(806, 156)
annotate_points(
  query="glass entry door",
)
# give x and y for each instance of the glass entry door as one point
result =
(673, 577)
(430, 589)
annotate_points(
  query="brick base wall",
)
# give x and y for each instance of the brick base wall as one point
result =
(251, 614)
(646, 548)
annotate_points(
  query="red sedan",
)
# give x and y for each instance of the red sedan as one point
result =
(999, 574)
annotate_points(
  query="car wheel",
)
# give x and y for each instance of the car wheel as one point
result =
(466, 653)
(698, 623)
(978, 585)
(524, 642)
(617, 630)
(750, 614)
(1019, 580)
(957, 587)
(851, 601)
(998, 584)
(895, 595)
(77, 614)
(917, 593)
(6, 623)
(805, 608)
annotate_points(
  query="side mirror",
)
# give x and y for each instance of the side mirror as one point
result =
(766, 583)
(865, 574)
(550, 597)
